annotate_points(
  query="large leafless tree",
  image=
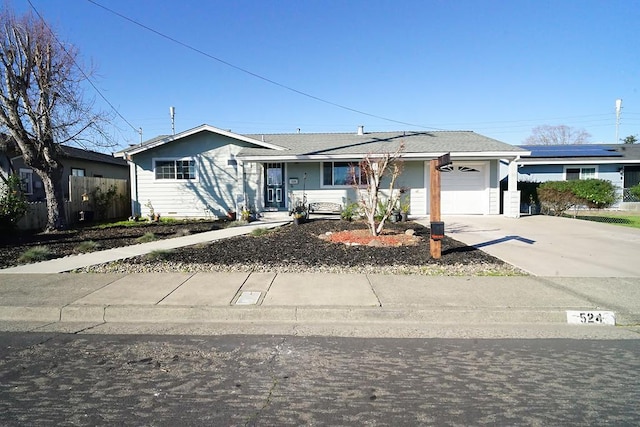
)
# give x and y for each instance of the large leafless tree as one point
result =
(557, 135)
(41, 101)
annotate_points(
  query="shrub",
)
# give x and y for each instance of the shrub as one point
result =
(146, 237)
(556, 196)
(260, 232)
(559, 196)
(635, 191)
(349, 211)
(86, 246)
(158, 255)
(102, 200)
(35, 254)
(13, 203)
(594, 193)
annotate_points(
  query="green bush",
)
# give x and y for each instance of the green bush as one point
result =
(35, 254)
(13, 203)
(594, 193)
(86, 246)
(146, 237)
(158, 255)
(349, 211)
(635, 191)
(558, 196)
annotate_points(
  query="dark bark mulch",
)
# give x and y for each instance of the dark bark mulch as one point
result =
(287, 245)
(300, 245)
(64, 243)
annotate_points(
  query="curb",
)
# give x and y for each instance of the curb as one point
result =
(306, 314)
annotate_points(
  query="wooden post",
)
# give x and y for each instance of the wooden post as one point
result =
(435, 246)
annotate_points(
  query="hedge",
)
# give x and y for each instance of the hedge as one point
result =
(558, 196)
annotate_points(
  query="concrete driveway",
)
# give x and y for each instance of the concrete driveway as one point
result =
(552, 246)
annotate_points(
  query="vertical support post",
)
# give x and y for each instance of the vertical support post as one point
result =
(435, 246)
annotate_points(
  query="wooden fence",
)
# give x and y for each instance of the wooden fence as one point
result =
(82, 190)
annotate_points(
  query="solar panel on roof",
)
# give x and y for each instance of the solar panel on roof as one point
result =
(586, 150)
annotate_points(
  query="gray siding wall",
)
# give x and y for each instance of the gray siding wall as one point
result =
(214, 192)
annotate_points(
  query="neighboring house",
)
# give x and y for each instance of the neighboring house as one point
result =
(618, 163)
(206, 171)
(76, 162)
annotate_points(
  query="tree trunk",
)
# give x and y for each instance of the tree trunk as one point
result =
(56, 219)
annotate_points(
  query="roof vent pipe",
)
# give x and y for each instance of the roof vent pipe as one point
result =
(360, 130)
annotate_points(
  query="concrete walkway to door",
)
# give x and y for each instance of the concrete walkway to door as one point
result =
(551, 246)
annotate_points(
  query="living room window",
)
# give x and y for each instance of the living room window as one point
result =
(580, 172)
(175, 169)
(341, 174)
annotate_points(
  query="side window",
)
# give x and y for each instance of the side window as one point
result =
(26, 176)
(175, 169)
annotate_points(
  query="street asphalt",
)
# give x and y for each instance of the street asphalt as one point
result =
(573, 266)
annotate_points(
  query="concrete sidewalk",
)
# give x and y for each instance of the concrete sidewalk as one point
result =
(246, 300)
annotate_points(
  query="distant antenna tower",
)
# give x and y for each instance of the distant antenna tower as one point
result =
(172, 113)
(618, 108)
(140, 132)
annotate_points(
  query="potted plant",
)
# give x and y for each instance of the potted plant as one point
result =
(299, 213)
(404, 209)
(246, 215)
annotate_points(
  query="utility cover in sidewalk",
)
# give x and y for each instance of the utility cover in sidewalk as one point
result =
(248, 298)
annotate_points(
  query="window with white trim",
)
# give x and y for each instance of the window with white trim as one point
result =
(77, 172)
(26, 177)
(341, 174)
(175, 169)
(580, 172)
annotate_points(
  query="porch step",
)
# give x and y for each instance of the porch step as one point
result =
(275, 216)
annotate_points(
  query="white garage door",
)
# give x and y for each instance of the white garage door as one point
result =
(464, 189)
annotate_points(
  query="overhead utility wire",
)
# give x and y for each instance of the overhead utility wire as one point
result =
(80, 68)
(258, 76)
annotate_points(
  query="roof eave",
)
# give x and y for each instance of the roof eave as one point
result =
(413, 156)
(147, 146)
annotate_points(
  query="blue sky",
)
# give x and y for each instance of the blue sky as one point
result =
(499, 68)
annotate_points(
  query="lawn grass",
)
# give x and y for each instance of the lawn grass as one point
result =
(626, 219)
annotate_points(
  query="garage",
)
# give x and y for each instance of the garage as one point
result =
(464, 188)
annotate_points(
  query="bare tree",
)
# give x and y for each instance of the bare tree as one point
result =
(557, 135)
(41, 102)
(370, 172)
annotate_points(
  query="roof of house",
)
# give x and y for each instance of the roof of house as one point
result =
(296, 146)
(424, 144)
(69, 152)
(577, 153)
(166, 139)
(92, 156)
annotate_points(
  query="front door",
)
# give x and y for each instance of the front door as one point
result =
(274, 178)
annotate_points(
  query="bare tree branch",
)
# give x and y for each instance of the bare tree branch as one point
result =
(557, 135)
(41, 101)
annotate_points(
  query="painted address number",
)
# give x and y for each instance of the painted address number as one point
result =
(591, 317)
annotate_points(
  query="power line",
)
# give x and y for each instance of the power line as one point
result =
(251, 73)
(104, 98)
